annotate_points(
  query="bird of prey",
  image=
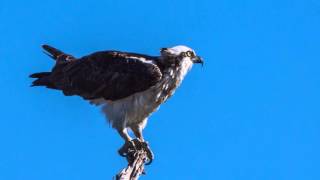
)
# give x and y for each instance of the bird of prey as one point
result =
(128, 86)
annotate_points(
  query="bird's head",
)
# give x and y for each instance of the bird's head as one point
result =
(179, 54)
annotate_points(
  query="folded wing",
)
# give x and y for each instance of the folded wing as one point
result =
(110, 75)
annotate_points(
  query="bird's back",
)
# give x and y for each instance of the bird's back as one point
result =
(111, 75)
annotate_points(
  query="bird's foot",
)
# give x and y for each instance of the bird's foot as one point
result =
(149, 152)
(144, 145)
(136, 145)
(124, 150)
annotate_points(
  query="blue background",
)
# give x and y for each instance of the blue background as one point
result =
(251, 113)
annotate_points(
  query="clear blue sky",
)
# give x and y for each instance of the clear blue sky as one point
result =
(252, 112)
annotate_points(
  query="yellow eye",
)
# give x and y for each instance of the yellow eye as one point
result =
(189, 53)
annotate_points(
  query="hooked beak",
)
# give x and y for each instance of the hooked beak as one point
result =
(197, 59)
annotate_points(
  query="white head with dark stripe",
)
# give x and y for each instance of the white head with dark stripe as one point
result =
(180, 54)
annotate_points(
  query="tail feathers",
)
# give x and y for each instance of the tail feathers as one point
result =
(39, 82)
(40, 75)
(43, 79)
(56, 54)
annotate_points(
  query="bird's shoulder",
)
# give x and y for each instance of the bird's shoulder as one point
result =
(110, 56)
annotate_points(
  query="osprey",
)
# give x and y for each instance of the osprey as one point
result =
(128, 86)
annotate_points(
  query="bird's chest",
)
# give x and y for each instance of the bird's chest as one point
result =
(137, 107)
(146, 102)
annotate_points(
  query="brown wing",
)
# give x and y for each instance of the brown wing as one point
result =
(110, 75)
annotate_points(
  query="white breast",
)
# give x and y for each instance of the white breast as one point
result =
(136, 108)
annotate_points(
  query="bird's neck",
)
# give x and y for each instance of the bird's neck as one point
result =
(179, 68)
(177, 71)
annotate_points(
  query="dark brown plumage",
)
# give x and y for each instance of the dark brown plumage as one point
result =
(110, 75)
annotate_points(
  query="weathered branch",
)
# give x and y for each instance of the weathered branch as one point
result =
(136, 156)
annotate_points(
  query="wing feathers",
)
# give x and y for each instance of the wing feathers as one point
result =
(56, 54)
(110, 75)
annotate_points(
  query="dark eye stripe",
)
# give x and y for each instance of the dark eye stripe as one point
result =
(189, 53)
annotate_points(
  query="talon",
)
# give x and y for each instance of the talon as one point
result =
(150, 154)
(137, 145)
(123, 151)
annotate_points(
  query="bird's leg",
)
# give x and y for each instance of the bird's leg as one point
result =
(144, 144)
(137, 131)
(124, 149)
